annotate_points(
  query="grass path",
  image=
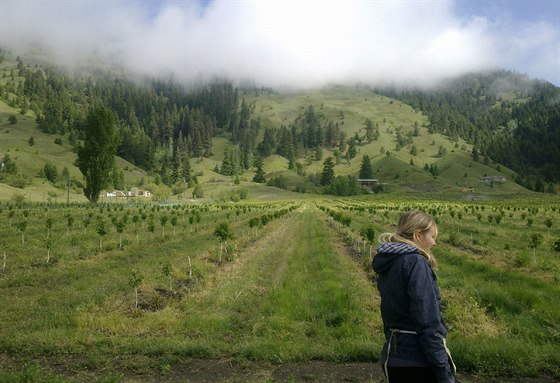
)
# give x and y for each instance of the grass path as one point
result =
(291, 297)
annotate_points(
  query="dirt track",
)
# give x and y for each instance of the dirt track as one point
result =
(230, 371)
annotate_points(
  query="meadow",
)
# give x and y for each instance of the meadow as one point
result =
(115, 293)
(234, 288)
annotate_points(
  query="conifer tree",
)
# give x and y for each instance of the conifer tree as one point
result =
(259, 174)
(368, 125)
(187, 176)
(366, 171)
(327, 176)
(227, 167)
(475, 155)
(352, 151)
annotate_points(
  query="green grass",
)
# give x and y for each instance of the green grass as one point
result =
(250, 310)
(501, 312)
(286, 292)
(526, 308)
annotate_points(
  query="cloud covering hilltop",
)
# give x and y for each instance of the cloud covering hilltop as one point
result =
(282, 43)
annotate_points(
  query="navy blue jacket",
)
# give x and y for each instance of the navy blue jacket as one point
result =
(410, 300)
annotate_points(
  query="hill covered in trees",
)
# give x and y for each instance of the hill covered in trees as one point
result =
(473, 126)
(509, 118)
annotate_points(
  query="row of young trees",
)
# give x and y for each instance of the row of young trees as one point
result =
(45, 228)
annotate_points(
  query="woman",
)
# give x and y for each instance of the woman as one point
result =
(415, 350)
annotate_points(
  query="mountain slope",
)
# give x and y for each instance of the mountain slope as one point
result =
(31, 159)
(218, 129)
(350, 107)
(508, 117)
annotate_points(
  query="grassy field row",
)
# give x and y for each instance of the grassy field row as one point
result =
(276, 300)
(512, 237)
(286, 288)
(499, 294)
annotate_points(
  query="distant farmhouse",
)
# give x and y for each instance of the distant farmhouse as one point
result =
(370, 184)
(367, 182)
(116, 193)
(135, 192)
(491, 179)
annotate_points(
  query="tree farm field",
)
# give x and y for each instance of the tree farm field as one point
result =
(265, 292)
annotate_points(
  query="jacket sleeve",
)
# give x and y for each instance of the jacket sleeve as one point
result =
(426, 314)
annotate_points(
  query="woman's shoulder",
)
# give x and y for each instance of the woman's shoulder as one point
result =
(415, 260)
(396, 248)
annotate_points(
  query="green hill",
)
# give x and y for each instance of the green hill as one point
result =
(350, 107)
(31, 156)
(406, 156)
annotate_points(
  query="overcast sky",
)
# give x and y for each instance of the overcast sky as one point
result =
(293, 42)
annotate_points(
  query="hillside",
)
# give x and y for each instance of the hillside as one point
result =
(350, 107)
(508, 117)
(162, 125)
(30, 159)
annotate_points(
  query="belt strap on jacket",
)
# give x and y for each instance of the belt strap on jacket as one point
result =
(450, 358)
(394, 332)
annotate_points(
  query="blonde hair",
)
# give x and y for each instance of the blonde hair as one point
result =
(410, 223)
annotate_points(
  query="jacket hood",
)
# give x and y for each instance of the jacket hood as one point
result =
(387, 253)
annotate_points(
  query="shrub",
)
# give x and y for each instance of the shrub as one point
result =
(198, 192)
(454, 239)
(19, 181)
(522, 260)
(19, 200)
(254, 222)
(243, 193)
(50, 172)
(368, 232)
(279, 182)
(556, 245)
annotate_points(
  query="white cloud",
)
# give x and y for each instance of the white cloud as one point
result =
(281, 43)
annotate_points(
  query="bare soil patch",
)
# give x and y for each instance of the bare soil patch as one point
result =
(228, 371)
(232, 371)
(142, 369)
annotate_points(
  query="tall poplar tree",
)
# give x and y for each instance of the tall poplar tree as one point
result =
(96, 157)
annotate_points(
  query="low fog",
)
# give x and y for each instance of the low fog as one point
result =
(280, 43)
